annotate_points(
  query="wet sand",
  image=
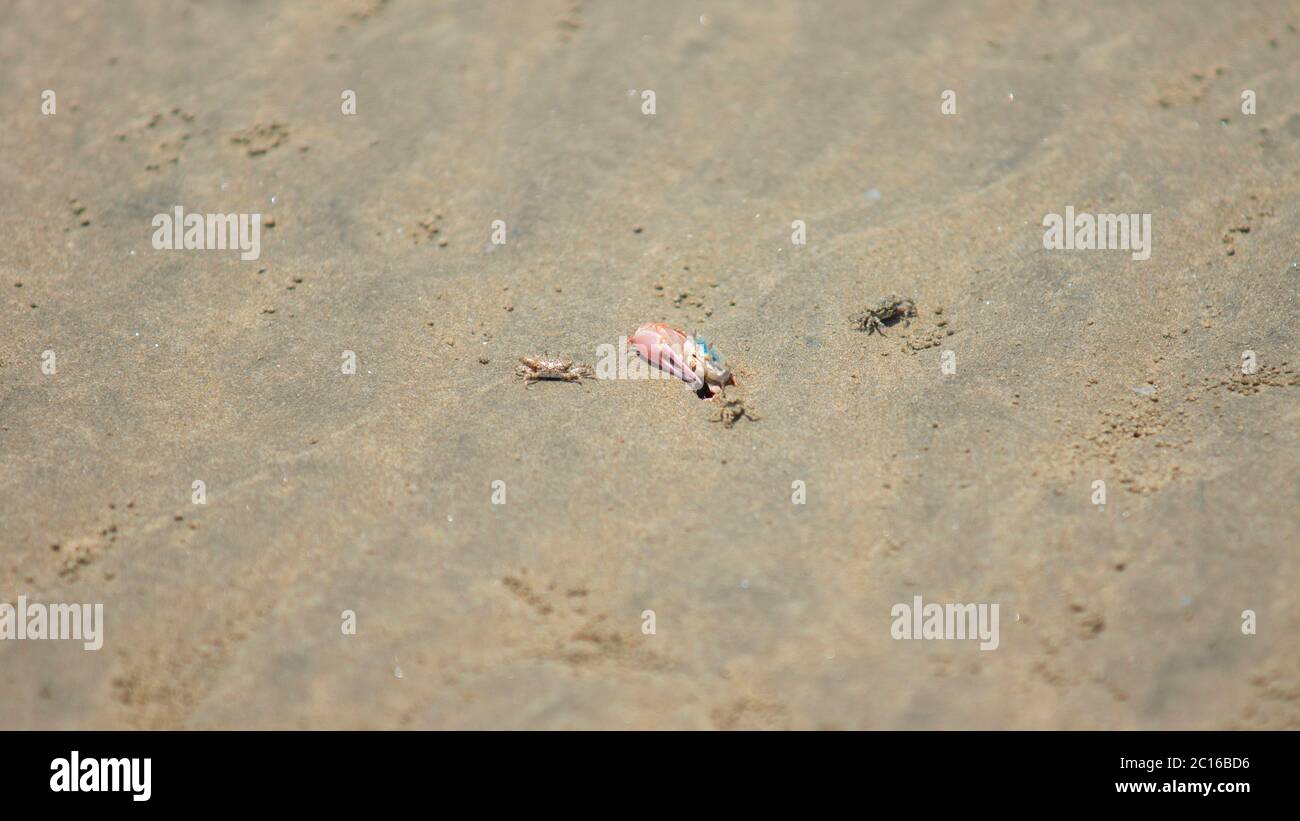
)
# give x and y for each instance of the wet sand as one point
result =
(373, 492)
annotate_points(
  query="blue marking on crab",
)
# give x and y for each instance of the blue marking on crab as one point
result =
(708, 351)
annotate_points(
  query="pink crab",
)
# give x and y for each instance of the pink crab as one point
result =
(688, 357)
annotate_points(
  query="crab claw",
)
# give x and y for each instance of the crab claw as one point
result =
(667, 349)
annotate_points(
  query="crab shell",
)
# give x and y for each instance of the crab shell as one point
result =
(688, 357)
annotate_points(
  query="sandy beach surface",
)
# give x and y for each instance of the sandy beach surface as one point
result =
(954, 458)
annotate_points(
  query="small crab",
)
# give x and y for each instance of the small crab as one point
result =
(731, 409)
(885, 312)
(536, 368)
